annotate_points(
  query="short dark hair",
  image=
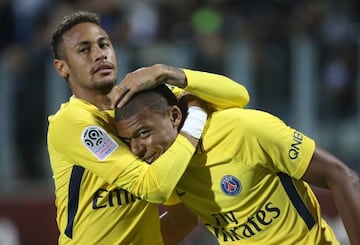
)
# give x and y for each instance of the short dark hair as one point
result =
(157, 100)
(66, 24)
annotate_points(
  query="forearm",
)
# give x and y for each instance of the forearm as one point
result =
(346, 194)
(326, 171)
(217, 89)
(220, 91)
(176, 222)
(156, 182)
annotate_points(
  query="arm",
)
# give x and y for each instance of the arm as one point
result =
(219, 90)
(176, 222)
(118, 165)
(328, 172)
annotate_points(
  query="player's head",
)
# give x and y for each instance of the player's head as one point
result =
(83, 52)
(149, 122)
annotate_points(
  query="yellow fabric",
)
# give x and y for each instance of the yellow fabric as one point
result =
(93, 183)
(103, 182)
(233, 183)
(220, 91)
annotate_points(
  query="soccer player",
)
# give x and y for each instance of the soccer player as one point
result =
(248, 181)
(101, 187)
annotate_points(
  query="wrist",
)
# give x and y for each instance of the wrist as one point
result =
(195, 122)
(172, 75)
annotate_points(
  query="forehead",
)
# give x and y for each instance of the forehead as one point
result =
(83, 32)
(142, 118)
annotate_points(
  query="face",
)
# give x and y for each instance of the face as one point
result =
(149, 134)
(89, 61)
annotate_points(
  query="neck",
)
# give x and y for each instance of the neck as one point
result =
(101, 99)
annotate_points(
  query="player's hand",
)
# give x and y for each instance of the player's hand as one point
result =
(136, 81)
(146, 78)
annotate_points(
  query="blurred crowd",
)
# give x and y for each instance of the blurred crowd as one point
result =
(206, 27)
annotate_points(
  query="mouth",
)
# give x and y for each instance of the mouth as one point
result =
(103, 68)
(150, 159)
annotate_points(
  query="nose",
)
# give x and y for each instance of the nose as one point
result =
(137, 148)
(99, 53)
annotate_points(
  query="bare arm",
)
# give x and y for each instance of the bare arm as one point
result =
(326, 171)
(176, 222)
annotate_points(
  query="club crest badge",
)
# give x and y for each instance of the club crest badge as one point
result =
(98, 142)
(230, 185)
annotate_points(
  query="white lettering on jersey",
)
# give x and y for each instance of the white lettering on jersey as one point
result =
(98, 142)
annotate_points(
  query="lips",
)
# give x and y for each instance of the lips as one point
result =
(151, 158)
(103, 67)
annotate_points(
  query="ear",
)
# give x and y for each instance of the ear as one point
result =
(175, 116)
(61, 68)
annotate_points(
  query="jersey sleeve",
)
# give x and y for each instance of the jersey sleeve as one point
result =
(219, 90)
(86, 143)
(279, 146)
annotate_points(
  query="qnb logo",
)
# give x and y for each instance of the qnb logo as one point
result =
(294, 147)
(230, 185)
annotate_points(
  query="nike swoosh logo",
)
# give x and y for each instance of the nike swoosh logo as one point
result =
(180, 193)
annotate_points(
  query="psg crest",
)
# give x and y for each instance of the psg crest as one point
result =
(230, 185)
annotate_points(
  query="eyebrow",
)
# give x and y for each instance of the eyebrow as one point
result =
(99, 40)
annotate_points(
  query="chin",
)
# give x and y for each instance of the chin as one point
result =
(106, 86)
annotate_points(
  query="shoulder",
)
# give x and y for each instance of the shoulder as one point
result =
(72, 112)
(247, 117)
(246, 121)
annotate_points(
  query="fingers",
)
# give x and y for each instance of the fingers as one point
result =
(125, 98)
(142, 79)
(121, 96)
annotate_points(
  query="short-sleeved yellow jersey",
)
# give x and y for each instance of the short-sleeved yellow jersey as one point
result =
(101, 187)
(244, 182)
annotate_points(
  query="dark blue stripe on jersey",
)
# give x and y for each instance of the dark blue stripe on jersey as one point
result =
(296, 200)
(73, 198)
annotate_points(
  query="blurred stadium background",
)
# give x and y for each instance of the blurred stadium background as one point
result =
(299, 60)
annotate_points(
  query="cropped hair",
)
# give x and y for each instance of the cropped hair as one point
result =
(157, 100)
(66, 24)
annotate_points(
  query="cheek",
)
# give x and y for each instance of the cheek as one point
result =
(167, 137)
(78, 70)
(161, 139)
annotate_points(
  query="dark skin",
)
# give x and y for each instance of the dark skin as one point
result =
(326, 171)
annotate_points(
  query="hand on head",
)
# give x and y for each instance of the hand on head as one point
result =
(134, 82)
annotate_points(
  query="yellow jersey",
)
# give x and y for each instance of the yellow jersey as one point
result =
(244, 182)
(101, 188)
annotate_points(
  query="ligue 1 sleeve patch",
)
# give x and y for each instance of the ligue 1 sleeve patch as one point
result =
(98, 142)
